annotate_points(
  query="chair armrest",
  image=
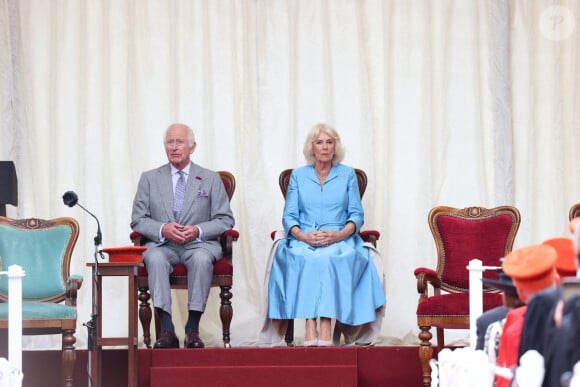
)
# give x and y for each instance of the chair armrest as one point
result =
(424, 277)
(137, 238)
(370, 236)
(226, 241)
(73, 284)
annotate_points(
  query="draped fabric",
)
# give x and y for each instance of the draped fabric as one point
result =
(446, 102)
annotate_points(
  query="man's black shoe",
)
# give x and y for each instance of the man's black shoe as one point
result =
(192, 340)
(167, 339)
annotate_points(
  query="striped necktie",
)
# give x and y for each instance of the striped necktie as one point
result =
(179, 195)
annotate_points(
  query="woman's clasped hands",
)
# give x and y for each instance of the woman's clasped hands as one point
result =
(322, 238)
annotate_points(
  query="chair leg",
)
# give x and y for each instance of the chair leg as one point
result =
(289, 336)
(145, 315)
(440, 339)
(226, 313)
(425, 353)
(68, 356)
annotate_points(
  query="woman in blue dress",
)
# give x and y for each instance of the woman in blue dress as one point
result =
(322, 268)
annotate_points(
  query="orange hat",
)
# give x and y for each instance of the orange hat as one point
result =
(531, 267)
(566, 264)
(574, 224)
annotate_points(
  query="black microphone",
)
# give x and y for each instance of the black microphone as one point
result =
(71, 199)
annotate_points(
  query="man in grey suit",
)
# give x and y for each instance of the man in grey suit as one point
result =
(180, 208)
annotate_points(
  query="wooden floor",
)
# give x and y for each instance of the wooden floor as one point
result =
(396, 366)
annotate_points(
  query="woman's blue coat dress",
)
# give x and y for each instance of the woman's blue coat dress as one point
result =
(338, 281)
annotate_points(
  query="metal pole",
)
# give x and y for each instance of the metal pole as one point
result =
(475, 298)
(15, 274)
(476, 270)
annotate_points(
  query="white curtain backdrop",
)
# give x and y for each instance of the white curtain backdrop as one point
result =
(446, 102)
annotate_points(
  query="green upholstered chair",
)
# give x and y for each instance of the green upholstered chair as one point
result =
(43, 248)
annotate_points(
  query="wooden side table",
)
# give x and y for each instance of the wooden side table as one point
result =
(108, 269)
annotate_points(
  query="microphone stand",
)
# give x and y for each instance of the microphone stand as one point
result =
(71, 199)
(92, 323)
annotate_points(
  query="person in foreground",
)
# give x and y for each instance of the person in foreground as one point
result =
(490, 324)
(180, 208)
(537, 318)
(560, 349)
(532, 269)
(322, 269)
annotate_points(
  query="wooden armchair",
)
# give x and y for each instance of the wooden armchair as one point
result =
(43, 248)
(222, 276)
(460, 236)
(574, 211)
(370, 236)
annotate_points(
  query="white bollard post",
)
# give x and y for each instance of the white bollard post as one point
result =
(15, 274)
(475, 298)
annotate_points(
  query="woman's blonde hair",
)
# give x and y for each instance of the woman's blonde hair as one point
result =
(313, 134)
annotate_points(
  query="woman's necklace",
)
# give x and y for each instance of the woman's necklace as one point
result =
(322, 175)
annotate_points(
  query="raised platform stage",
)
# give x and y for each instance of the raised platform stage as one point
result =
(251, 366)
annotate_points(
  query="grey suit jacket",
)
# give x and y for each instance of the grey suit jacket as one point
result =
(206, 205)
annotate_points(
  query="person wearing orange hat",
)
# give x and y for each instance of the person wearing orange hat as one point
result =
(537, 318)
(561, 350)
(532, 269)
(566, 263)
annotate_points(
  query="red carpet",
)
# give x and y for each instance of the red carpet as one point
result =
(335, 366)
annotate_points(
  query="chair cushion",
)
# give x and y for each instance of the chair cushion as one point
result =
(221, 267)
(464, 240)
(455, 304)
(41, 310)
(40, 253)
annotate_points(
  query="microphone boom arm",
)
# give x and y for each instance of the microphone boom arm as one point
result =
(99, 237)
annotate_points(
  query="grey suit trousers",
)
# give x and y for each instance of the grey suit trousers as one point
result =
(160, 260)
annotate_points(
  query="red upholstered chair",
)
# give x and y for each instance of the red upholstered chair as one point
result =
(222, 277)
(370, 236)
(574, 211)
(460, 236)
